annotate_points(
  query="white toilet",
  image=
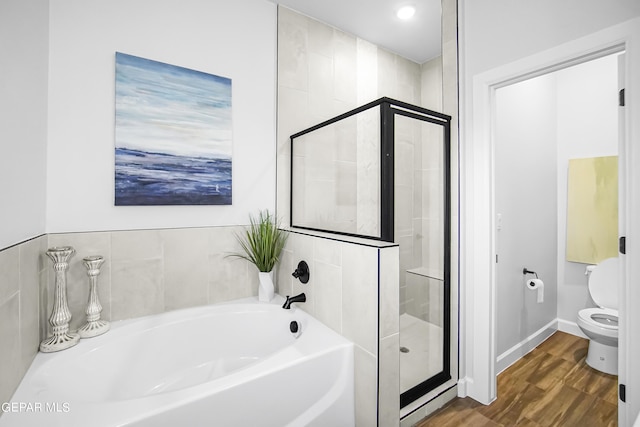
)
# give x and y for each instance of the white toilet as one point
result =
(601, 324)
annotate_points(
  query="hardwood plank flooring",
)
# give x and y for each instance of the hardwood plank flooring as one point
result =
(550, 386)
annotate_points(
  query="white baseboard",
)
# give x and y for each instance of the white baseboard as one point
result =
(570, 328)
(512, 355)
(462, 386)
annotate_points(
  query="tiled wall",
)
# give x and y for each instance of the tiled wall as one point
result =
(337, 176)
(424, 297)
(345, 281)
(419, 196)
(152, 271)
(145, 272)
(324, 72)
(419, 209)
(389, 338)
(22, 271)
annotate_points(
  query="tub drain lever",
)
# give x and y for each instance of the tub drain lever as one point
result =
(295, 327)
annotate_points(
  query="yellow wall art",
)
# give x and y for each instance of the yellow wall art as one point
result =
(592, 209)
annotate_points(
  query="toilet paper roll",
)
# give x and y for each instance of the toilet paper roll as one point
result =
(537, 284)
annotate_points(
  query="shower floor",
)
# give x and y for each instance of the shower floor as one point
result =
(423, 340)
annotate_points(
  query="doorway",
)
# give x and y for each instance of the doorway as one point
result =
(477, 240)
(541, 125)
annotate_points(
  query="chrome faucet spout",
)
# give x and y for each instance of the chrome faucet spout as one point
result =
(290, 300)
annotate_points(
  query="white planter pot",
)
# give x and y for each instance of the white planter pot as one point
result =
(265, 289)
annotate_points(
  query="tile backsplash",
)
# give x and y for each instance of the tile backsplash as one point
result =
(152, 271)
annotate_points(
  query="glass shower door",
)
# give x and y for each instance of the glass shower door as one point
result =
(421, 230)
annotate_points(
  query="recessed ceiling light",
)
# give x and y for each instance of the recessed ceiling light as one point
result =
(406, 12)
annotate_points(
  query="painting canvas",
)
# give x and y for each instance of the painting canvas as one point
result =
(173, 135)
(592, 209)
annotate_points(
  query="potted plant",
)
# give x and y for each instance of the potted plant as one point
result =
(262, 243)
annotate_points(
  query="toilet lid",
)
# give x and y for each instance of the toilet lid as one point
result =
(603, 284)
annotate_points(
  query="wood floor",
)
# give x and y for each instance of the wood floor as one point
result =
(550, 386)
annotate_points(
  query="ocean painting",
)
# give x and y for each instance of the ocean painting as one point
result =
(173, 135)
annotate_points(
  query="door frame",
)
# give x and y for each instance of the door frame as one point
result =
(477, 237)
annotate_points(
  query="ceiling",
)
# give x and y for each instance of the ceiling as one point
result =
(417, 39)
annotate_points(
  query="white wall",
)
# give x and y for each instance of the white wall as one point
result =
(498, 32)
(24, 28)
(587, 105)
(525, 197)
(231, 39)
(57, 159)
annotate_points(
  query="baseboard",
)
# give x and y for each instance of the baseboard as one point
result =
(570, 328)
(512, 355)
(462, 386)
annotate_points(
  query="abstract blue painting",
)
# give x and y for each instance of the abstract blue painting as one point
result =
(173, 135)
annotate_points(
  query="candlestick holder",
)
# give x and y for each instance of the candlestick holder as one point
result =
(60, 315)
(94, 326)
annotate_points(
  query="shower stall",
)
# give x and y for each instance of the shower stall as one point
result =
(382, 171)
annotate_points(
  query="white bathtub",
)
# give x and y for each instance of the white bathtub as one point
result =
(233, 364)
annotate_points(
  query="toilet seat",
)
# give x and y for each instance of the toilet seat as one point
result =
(601, 317)
(604, 332)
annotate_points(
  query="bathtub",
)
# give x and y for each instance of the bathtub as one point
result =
(232, 364)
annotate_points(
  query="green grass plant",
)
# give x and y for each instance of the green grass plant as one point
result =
(262, 241)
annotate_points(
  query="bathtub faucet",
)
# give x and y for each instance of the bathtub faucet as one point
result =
(298, 298)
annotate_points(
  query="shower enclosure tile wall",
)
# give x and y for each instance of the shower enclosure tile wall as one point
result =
(377, 73)
(342, 292)
(419, 217)
(338, 181)
(420, 166)
(307, 97)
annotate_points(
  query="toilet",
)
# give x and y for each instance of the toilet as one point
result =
(601, 324)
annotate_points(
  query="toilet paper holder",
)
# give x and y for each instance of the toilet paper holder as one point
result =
(526, 271)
